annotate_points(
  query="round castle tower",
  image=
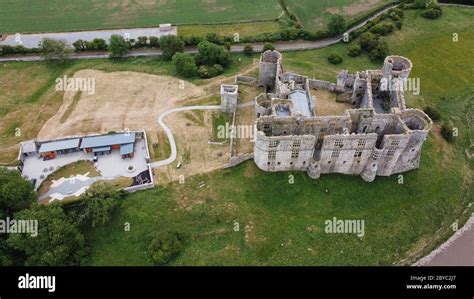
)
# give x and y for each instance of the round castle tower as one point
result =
(397, 66)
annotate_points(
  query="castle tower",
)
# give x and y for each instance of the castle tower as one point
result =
(270, 66)
(229, 98)
(396, 67)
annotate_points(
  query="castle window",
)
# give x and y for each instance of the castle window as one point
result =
(271, 155)
(297, 143)
(295, 154)
(267, 126)
(339, 143)
(358, 154)
(396, 142)
(391, 152)
(335, 153)
(362, 143)
(274, 143)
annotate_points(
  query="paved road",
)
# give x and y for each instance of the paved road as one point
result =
(169, 134)
(258, 47)
(33, 40)
(457, 251)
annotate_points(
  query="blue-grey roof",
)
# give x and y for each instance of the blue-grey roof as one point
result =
(126, 149)
(101, 149)
(301, 103)
(59, 145)
(107, 140)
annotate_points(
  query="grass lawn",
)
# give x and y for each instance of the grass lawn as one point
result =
(73, 169)
(315, 15)
(57, 15)
(219, 121)
(242, 29)
(245, 216)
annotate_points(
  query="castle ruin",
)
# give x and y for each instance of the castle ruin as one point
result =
(378, 136)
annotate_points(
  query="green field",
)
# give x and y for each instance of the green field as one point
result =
(59, 15)
(283, 224)
(314, 15)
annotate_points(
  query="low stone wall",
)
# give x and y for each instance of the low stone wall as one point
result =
(319, 84)
(236, 160)
(245, 80)
(144, 186)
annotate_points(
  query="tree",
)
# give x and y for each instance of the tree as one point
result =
(81, 45)
(268, 47)
(118, 47)
(335, 59)
(380, 51)
(97, 44)
(431, 13)
(54, 50)
(58, 242)
(211, 54)
(154, 42)
(248, 50)
(337, 25)
(142, 41)
(170, 45)
(165, 246)
(15, 192)
(185, 65)
(96, 206)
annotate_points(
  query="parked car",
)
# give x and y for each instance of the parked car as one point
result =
(96, 158)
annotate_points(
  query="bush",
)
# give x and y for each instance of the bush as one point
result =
(81, 45)
(170, 45)
(383, 28)
(368, 41)
(154, 42)
(431, 13)
(335, 59)
(248, 50)
(354, 50)
(399, 25)
(268, 47)
(206, 72)
(447, 133)
(215, 38)
(118, 47)
(380, 51)
(432, 113)
(52, 49)
(185, 65)
(142, 42)
(97, 44)
(337, 25)
(192, 40)
(164, 247)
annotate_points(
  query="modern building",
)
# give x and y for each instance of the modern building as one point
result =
(104, 144)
